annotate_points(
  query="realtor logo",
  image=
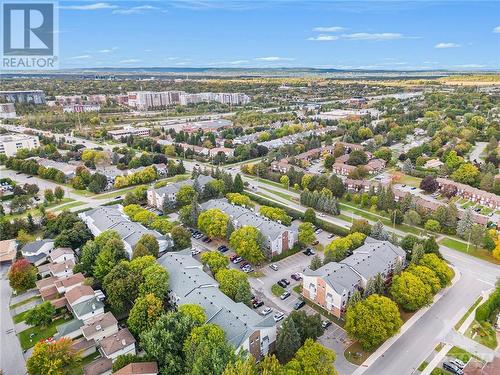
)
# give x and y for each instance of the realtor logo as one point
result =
(29, 35)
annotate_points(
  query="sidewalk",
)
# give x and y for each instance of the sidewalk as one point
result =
(437, 359)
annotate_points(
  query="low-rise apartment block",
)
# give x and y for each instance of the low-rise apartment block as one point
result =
(129, 130)
(332, 285)
(244, 328)
(11, 144)
(278, 237)
(7, 110)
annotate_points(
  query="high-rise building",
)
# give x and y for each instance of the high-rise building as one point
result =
(26, 96)
(11, 143)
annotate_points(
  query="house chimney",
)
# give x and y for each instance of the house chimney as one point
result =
(124, 342)
(93, 306)
(98, 327)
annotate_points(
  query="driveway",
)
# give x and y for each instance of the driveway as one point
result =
(336, 338)
(11, 355)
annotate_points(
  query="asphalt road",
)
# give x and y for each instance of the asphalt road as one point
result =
(11, 356)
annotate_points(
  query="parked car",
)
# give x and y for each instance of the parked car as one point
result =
(458, 363)
(331, 235)
(296, 276)
(244, 264)
(285, 295)
(325, 324)
(195, 251)
(232, 257)
(237, 260)
(266, 311)
(318, 231)
(278, 315)
(309, 251)
(257, 303)
(299, 305)
(273, 267)
(315, 243)
(454, 369)
(281, 284)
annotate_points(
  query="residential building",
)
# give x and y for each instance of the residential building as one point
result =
(228, 152)
(144, 100)
(433, 164)
(65, 284)
(83, 303)
(244, 328)
(7, 110)
(37, 252)
(105, 218)
(333, 284)
(120, 343)
(102, 366)
(69, 170)
(139, 368)
(78, 108)
(482, 197)
(129, 130)
(278, 238)
(24, 96)
(158, 197)
(10, 144)
(64, 269)
(84, 347)
(100, 327)
(62, 254)
(207, 126)
(8, 249)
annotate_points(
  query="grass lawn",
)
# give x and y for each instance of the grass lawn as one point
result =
(277, 290)
(24, 302)
(36, 211)
(460, 354)
(462, 247)
(255, 274)
(297, 288)
(280, 194)
(68, 206)
(323, 312)
(440, 371)
(40, 333)
(410, 180)
(269, 182)
(20, 317)
(482, 333)
(422, 366)
(462, 320)
(355, 354)
(486, 210)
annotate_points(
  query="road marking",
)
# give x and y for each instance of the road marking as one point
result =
(259, 280)
(486, 282)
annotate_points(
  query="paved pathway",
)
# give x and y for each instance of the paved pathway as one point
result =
(437, 359)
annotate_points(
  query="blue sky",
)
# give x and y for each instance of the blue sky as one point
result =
(323, 34)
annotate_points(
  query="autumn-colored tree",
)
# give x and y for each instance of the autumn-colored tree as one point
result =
(54, 358)
(22, 275)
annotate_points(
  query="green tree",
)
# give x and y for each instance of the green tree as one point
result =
(361, 226)
(215, 261)
(433, 225)
(235, 285)
(417, 253)
(285, 181)
(288, 341)
(195, 312)
(139, 251)
(49, 195)
(57, 357)
(427, 276)
(248, 242)
(239, 199)
(164, 340)
(306, 233)
(329, 161)
(316, 263)
(24, 237)
(181, 237)
(207, 352)
(466, 174)
(150, 243)
(155, 281)
(276, 214)
(213, 223)
(477, 233)
(372, 321)
(441, 269)
(238, 184)
(308, 326)
(185, 195)
(310, 216)
(144, 313)
(40, 315)
(412, 218)
(241, 367)
(410, 292)
(312, 359)
(111, 253)
(58, 193)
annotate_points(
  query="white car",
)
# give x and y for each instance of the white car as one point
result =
(278, 316)
(273, 267)
(195, 251)
(266, 311)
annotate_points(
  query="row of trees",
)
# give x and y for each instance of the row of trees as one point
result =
(322, 201)
(30, 166)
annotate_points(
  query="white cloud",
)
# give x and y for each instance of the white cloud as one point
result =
(496, 29)
(330, 29)
(237, 62)
(81, 57)
(95, 6)
(135, 10)
(130, 61)
(374, 36)
(446, 45)
(323, 38)
(108, 50)
(273, 58)
(470, 66)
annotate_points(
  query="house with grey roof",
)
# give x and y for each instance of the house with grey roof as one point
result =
(158, 197)
(278, 237)
(105, 218)
(332, 285)
(189, 284)
(37, 252)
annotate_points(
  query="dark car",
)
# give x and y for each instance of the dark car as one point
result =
(232, 257)
(257, 303)
(282, 284)
(285, 281)
(244, 264)
(299, 305)
(326, 323)
(309, 251)
(296, 276)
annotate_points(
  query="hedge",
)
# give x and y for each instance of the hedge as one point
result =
(484, 311)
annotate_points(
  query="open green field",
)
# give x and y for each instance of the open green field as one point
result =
(39, 333)
(462, 247)
(68, 206)
(409, 180)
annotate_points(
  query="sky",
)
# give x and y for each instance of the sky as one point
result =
(388, 35)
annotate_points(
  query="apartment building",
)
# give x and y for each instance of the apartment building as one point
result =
(24, 96)
(278, 237)
(332, 285)
(144, 100)
(105, 218)
(481, 197)
(244, 328)
(129, 130)
(7, 110)
(10, 144)
(158, 196)
(79, 108)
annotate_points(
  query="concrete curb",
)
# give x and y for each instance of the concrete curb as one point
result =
(409, 323)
